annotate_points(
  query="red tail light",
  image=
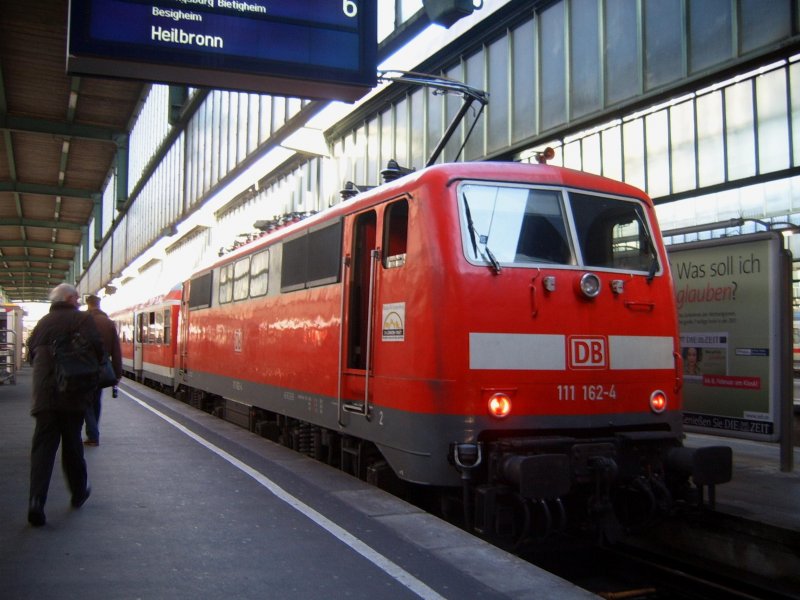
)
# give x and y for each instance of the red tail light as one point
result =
(658, 402)
(499, 405)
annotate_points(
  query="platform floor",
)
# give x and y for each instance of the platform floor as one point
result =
(759, 491)
(185, 505)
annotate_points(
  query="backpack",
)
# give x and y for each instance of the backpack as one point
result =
(76, 366)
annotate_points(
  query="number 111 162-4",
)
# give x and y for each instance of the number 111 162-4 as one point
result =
(570, 392)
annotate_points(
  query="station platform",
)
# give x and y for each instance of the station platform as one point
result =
(759, 491)
(185, 505)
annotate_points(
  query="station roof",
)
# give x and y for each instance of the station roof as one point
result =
(58, 141)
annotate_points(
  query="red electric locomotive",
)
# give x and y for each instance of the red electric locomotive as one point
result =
(503, 332)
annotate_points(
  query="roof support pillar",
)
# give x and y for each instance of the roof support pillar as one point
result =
(84, 249)
(123, 144)
(97, 215)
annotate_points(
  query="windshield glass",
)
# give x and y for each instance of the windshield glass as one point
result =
(612, 233)
(517, 225)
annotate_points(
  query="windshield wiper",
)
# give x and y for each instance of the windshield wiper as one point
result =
(492, 259)
(474, 237)
(471, 226)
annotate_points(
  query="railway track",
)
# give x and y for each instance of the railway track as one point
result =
(628, 572)
(678, 579)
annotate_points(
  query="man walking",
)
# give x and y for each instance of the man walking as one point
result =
(59, 415)
(108, 332)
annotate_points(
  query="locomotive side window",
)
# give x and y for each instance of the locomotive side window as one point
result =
(241, 279)
(226, 284)
(514, 225)
(312, 259)
(293, 264)
(200, 292)
(324, 255)
(613, 233)
(395, 234)
(259, 273)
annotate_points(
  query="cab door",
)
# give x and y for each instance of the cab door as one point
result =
(359, 280)
(377, 245)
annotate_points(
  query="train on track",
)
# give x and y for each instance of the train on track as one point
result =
(503, 334)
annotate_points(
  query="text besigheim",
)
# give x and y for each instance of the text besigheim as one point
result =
(176, 15)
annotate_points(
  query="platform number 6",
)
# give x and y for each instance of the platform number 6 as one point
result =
(350, 8)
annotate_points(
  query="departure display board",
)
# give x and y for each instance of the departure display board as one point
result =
(305, 48)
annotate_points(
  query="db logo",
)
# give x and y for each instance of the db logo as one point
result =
(587, 352)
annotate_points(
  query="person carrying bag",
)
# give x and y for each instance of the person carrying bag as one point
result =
(61, 395)
(111, 368)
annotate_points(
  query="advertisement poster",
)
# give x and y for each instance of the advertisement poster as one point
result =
(728, 294)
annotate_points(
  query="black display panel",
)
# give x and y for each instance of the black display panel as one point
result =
(304, 48)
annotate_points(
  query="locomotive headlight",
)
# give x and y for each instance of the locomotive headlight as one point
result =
(658, 402)
(499, 405)
(589, 285)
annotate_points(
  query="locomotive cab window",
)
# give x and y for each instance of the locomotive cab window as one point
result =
(613, 233)
(514, 225)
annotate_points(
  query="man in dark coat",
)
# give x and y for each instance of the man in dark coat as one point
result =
(59, 416)
(108, 331)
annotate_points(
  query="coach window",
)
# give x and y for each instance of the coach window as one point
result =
(259, 274)
(158, 328)
(151, 328)
(395, 234)
(241, 279)
(167, 326)
(141, 328)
